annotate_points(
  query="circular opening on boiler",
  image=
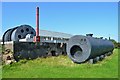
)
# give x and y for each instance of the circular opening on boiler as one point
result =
(76, 51)
(31, 32)
(81, 39)
(19, 36)
(22, 30)
(27, 29)
(84, 39)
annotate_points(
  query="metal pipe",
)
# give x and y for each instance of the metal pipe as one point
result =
(37, 37)
(37, 21)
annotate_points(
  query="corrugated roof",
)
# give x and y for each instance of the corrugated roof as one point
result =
(54, 34)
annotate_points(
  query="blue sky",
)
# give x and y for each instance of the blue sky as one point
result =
(99, 18)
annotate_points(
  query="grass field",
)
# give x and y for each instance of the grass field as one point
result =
(62, 67)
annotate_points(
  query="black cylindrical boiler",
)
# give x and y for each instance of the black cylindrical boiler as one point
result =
(82, 48)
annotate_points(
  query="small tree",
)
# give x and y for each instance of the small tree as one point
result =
(118, 45)
(114, 42)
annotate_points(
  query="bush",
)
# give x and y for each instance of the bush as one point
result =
(116, 44)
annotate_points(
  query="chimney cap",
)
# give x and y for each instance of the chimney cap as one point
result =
(89, 35)
(101, 37)
(37, 7)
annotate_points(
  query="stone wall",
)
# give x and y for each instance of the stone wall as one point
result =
(8, 45)
(32, 50)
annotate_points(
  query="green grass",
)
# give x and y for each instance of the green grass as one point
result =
(62, 67)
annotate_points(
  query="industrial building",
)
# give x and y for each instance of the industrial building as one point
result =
(51, 36)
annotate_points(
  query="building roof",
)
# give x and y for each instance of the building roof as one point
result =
(54, 34)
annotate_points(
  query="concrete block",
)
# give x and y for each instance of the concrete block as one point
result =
(90, 61)
(101, 57)
(95, 60)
